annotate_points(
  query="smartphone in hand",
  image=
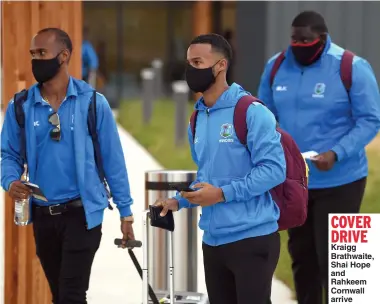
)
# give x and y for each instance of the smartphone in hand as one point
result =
(181, 187)
(36, 191)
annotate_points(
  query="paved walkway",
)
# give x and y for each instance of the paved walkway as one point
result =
(114, 278)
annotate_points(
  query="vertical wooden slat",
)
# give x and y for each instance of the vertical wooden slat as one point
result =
(202, 22)
(202, 17)
(24, 281)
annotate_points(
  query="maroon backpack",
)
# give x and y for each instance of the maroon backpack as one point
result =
(292, 195)
(345, 68)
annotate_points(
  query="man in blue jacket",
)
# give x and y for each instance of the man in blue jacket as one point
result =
(60, 160)
(310, 101)
(90, 61)
(239, 218)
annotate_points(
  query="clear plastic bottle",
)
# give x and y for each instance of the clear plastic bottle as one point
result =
(23, 212)
(23, 208)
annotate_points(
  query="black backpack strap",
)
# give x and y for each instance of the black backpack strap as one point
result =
(18, 101)
(193, 122)
(91, 121)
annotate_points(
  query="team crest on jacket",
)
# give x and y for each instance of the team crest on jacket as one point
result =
(226, 131)
(319, 90)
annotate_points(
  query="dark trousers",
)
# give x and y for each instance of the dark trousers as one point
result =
(66, 250)
(241, 272)
(308, 244)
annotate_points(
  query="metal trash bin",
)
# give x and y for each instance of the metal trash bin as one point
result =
(157, 185)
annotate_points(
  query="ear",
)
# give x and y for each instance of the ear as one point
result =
(223, 65)
(65, 56)
(324, 37)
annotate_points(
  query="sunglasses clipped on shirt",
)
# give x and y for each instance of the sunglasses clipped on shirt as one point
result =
(55, 133)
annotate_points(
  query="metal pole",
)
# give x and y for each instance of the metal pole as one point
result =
(171, 268)
(157, 65)
(145, 245)
(180, 97)
(147, 76)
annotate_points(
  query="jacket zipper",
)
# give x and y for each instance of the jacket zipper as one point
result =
(297, 103)
(209, 163)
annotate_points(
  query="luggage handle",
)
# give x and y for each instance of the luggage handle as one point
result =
(145, 218)
(147, 290)
(152, 295)
(130, 244)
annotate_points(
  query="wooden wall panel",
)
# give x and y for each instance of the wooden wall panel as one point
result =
(202, 23)
(25, 282)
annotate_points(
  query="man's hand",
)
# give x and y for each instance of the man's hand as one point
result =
(18, 191)
(324, 161)
(167, 204)
(207, 195)
(127, 231)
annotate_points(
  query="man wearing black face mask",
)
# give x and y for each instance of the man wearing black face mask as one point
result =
(60, 160)
(328, 100)
(239, 218)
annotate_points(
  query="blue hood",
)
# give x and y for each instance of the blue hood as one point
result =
(227, 100)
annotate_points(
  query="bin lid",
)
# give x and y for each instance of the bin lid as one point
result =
(170, 176)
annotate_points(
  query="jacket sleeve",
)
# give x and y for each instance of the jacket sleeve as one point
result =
(182, 202)
(365, 105)
(11, 162)
(267, 156)
(265, 93)
(113, 157)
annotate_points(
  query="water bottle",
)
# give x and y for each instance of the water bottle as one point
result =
(23, 214)
(23, 207)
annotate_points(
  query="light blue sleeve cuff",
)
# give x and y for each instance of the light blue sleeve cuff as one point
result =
(125, 211)
(182, 202)
(340, 152)
(229, 193)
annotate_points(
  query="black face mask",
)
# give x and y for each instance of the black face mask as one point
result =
(45, 69)
(199, 80)
(307, 54)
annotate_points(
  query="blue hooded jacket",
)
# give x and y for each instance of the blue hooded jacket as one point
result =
(91, 189)
(245, 178)
(312, 104)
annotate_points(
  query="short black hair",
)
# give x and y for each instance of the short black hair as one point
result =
(60, 35)
(218, 44)
(313, 19)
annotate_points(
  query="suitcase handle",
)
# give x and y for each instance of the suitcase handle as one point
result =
(130, 244)
(152, 295)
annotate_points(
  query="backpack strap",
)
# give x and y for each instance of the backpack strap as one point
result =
(193, 122)
(18, 101)
(240, 117)
(276, 66)
(346, 69)
(91, 122)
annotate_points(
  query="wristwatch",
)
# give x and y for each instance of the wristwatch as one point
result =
(127, 219)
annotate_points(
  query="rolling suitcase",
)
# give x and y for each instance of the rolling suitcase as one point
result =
(160, 296)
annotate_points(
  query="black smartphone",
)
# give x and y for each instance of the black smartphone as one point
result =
(181, 187)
